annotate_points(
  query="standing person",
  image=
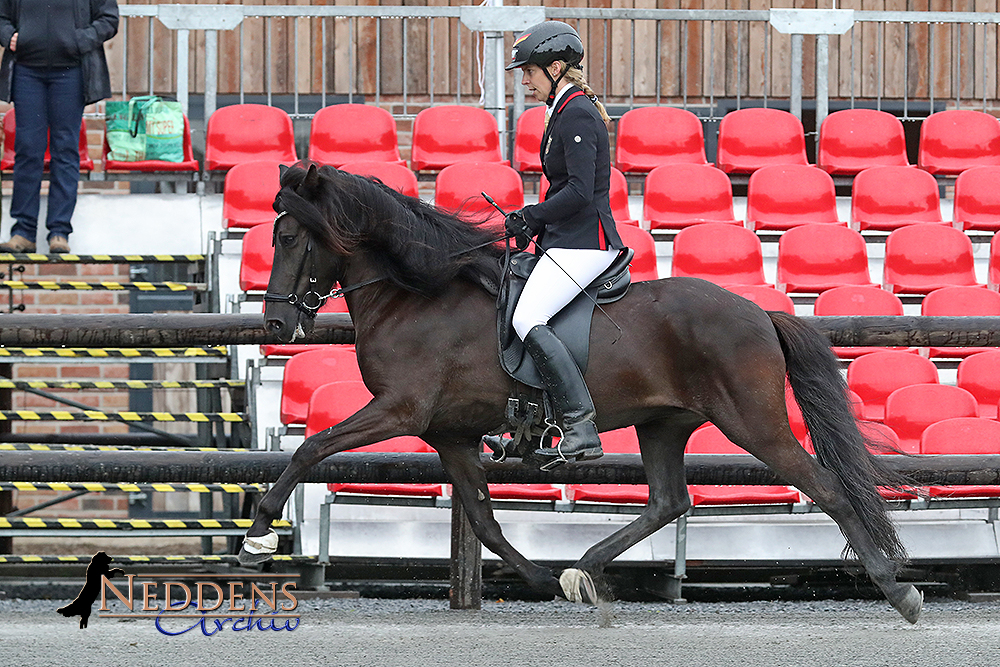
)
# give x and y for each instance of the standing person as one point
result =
(53, 66)
(573, 228)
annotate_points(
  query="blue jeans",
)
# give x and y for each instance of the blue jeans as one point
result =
(49, 109)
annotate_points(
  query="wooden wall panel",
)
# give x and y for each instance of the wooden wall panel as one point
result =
(695, 61)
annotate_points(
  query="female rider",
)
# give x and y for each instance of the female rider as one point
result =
(573, 228)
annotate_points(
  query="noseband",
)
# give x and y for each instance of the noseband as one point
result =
(310, 302)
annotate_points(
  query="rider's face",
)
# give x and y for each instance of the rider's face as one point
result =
(533, 78)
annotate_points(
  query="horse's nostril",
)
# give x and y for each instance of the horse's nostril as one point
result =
(273, 326)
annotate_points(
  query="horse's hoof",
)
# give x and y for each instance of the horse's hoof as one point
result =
(578, 586)
(247, 558)
(909, 604)
(258, 549)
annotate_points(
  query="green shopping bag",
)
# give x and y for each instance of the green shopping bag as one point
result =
(145, 128)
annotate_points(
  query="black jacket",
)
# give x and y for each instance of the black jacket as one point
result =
(96, 22)
(576, 159)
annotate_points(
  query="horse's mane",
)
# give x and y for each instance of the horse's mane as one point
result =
(415, 246)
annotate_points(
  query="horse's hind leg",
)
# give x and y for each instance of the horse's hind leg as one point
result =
(661, 444)
(786, 457)
(463, 467)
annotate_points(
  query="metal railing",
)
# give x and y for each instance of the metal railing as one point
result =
(408, 57)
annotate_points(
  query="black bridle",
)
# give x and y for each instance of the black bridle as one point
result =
(310, 302)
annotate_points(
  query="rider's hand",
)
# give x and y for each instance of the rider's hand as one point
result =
(13, 42)
(517, 227)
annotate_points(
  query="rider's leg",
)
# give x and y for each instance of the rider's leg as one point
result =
(557, 279)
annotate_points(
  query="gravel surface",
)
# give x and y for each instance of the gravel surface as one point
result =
(370, 633)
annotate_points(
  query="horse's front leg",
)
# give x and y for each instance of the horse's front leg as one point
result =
(373, 423)
(462, 465)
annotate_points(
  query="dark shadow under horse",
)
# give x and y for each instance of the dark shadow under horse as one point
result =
(690, 352)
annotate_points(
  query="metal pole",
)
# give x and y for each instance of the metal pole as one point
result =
(796, 76)
(182, 69)
(211, 71)
(822, 81)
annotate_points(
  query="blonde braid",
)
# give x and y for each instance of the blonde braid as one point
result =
(575, 77)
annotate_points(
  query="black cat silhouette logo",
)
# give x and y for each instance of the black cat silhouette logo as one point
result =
(84, 601)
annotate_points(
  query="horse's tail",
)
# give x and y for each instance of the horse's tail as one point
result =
(821, 392)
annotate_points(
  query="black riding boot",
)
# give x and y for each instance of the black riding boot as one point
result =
(570, 397)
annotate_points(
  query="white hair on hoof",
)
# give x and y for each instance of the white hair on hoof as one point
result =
(264, 544)
(578, 586)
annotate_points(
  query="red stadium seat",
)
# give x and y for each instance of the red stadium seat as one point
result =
(709, 440)
(979, 374)
(723, 254)
(854, 139)
(648, 137)
(962, 435)
(459, 189)
(308, 371)
(643, 266)
(246, 132)
(189, 163)
(621, 441)
(248, 194)
(818, 257)
(958, 139)
(876, 375)
(887, 198)
(911, 409)
(528, 140)
(353, 133)
(993, 273)
(7, 159)
(396, 176)
(959, 302)
(257, 258)
(333, 403)
(785, 196)
(681, 195)
(447, 134)
(618, 194)
(977, 199)
(766, 297)
(857, 300)
(753, 138)
(922, 258)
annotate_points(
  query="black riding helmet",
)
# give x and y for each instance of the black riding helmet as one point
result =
(544, 43)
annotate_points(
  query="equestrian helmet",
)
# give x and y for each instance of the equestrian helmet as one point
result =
(544, 43)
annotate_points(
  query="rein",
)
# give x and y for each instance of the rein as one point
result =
(310, 302)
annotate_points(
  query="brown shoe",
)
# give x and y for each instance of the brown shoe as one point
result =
(17, 243)
(59, 245)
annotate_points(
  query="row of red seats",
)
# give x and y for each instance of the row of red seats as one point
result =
(849, 141)
(816, 257)
(783, 196)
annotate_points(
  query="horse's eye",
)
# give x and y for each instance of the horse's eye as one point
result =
(286, 239)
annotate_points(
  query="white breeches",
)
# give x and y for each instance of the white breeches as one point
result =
(558, 277)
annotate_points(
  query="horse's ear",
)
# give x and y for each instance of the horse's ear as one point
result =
(282, 170)
(310, 184)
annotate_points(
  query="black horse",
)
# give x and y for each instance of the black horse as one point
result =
(690, 352)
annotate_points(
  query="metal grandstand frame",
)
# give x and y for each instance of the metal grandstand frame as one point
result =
(965, 67)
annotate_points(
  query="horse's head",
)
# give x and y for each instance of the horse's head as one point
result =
(308, 256)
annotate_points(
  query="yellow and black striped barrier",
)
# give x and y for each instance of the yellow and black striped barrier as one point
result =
(97, 487)
(210, 558)
(41, 447)
(27, 522)
(41, 258)
(217, 351)
(125, 416)
(103, 286)
(121, 384)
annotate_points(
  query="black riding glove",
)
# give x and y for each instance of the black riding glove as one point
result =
(517, 227)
